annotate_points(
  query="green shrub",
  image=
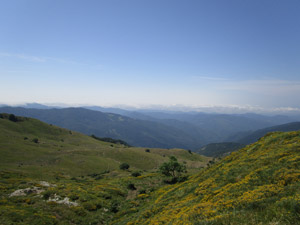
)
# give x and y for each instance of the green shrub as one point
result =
(131, 186)
(143, 191)
(79, 211)
(89, 206)
(47, 194)
(35, 140)
(124, 166)
(114, 207)
(73, 196)
(136, 174)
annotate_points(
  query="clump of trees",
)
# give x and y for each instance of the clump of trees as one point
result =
(10, 117)
(111, 140)
(173, 169)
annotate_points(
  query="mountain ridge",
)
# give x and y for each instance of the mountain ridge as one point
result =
(135, 132)
(254, 136)
(148, 129)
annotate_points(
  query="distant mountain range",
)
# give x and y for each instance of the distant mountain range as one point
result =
(254, 136)
(135, 132)
(164, 129)
(223, 148)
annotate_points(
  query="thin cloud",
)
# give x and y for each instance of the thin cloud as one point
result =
(266, 86)
(64, 61)
(211, 78)
(16, 71)
(23, 56)
(39, 59)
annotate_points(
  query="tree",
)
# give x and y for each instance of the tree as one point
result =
(12, 118)
(172, 168)
(124, 166)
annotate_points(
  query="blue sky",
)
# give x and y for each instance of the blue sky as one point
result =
(151, 52)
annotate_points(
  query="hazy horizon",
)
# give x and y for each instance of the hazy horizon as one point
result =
(216, 109)
(241, 55)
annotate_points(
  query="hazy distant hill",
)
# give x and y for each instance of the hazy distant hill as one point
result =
(224, 127)
(209, 127)
(190, 130)
(135, 132)
(254, 136)
(244, 138)
(219, 149)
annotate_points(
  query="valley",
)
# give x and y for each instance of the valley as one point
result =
(190, 130)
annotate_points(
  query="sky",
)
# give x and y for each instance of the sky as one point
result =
(140, 53)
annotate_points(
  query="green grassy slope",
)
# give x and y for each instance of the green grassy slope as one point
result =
(80, 168)
(219, 149)
(72, 153)
(259, 184)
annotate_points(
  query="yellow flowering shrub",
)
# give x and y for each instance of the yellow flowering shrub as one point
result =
(264, 174)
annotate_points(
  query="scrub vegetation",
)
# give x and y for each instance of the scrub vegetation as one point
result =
(51, 175)
(259, 184)
(69, 178)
